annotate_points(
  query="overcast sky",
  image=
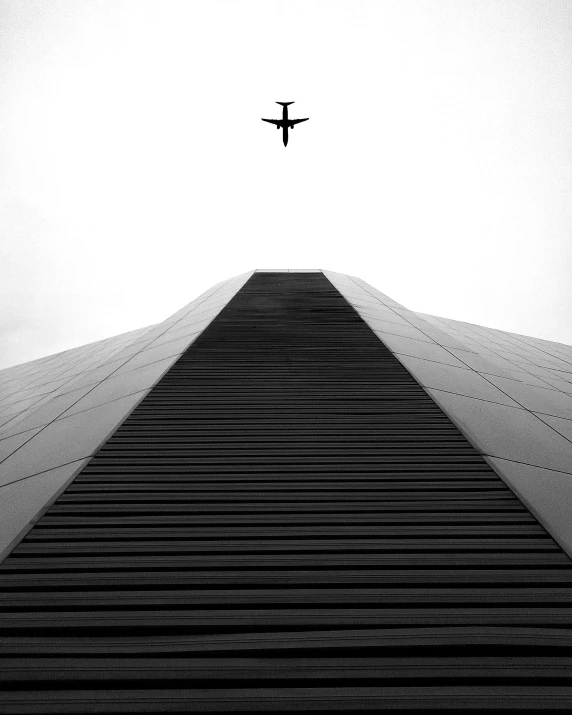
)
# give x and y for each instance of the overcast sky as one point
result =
(135, 171)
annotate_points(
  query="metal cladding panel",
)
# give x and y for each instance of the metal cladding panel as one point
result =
(287, 521)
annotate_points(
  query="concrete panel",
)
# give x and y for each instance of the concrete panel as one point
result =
(18, 409)
(419, 349)
(9, 445)
(526, 377)
(561, 374)
(441, 338)
(207, 313)
(94, 376)
(161, 352)
(13, 401)
(189, 330)
(127, 383)
(47, 385)
(24, 501)
(547, 493)
(67, 440)
(561, 385)
(536, 399)
(394, 328)
(489, 364)
(380, 312)
(373, 291)
(45, 413)
(562, 426)
(452, 379)
(506, 432)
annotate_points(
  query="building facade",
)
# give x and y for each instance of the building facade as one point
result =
(292, 494)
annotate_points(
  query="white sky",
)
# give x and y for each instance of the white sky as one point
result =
(135, 171)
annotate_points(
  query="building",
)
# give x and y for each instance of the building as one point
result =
(293, 494)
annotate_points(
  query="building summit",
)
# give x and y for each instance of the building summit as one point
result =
(294, 494)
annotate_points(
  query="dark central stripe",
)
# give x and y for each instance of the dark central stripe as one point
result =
(287, 508)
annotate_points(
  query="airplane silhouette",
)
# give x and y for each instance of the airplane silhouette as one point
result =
(285, 123)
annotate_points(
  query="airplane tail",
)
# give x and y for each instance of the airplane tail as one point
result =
(284, 104)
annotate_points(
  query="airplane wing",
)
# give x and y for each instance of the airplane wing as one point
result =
(271, 121)
(291, 122)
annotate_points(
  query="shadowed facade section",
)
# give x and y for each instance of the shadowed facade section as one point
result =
(287, 521)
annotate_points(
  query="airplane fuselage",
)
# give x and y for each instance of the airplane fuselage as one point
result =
(285, 123)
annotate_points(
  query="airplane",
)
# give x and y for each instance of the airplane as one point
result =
(285, 123)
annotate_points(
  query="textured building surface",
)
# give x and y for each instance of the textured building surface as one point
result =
(511, 395)
(56, 412)
(294, 494)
